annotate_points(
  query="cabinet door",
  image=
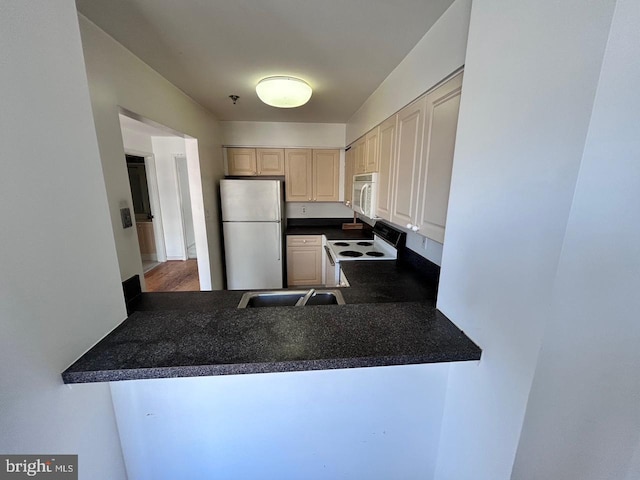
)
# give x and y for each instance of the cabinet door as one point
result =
(298, 175)
(371, 151)
(407, 168)
(241, 161)
(360, 162)
(348, 176)
(304, 259)
(304, 266)
(326, 175)
(387, 162)
(441, 124)
(270, 161)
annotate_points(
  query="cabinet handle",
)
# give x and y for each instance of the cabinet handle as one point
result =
(411, 226)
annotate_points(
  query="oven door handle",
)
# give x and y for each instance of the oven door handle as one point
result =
(333, 264)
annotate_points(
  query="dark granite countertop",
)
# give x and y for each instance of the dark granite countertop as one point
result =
(175, 343)
(389, 319)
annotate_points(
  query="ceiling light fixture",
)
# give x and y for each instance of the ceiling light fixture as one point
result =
(283, 92)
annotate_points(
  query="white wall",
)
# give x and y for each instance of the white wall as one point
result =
(117, 78)
(373, 423)
(530, 80)
(438, 54)
(140, 142)
(583, 413)
(283, 134)
(165, 150)
(59, 283)
(317, 210)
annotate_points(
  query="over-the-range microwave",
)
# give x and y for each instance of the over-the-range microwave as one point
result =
(365, 194)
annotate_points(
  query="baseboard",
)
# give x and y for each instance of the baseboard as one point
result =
(179, 257)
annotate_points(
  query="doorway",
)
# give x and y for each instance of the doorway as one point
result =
(143, 214)
(167, 198)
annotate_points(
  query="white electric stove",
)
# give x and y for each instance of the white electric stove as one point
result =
(383, 246)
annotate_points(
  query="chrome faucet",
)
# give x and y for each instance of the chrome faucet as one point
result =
(303, 300)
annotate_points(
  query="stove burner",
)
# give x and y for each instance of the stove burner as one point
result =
(350, 253)
(341, 244)
(365, 244)
(373, 253)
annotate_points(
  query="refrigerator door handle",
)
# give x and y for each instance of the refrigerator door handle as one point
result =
(279, 243)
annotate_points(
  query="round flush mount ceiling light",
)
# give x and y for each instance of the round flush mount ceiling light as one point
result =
(283, 92)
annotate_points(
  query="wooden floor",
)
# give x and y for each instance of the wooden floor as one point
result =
(173, 276)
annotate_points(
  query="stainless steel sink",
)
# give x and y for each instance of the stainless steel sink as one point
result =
(289, 298)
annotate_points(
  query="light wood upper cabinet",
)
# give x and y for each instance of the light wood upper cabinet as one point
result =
(348, 176)
(359, 165)
(241, 161)
(326, 175)
(371, 151)
(410, 129)
(298, 174)
(270, 161)
(312, 175)
(441, 125)
(387, 162)
(255, 161)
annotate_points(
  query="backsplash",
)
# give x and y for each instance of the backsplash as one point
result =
(425, 267)
(317, 210)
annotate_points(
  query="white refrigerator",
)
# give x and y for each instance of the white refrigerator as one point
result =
(252, 225)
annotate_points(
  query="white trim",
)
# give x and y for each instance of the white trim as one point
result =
(183, 231)
(154, 200)
(175, 257)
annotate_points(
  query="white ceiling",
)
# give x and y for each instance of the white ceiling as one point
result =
(211, 49)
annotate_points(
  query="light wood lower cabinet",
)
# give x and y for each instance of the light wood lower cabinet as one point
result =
(312, 175)
(304, 260)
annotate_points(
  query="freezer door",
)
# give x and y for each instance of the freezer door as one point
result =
(253, 252)
(251, 200)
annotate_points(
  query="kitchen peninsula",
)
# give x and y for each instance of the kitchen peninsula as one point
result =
(389, 319)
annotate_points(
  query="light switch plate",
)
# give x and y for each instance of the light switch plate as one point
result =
(125, 215)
